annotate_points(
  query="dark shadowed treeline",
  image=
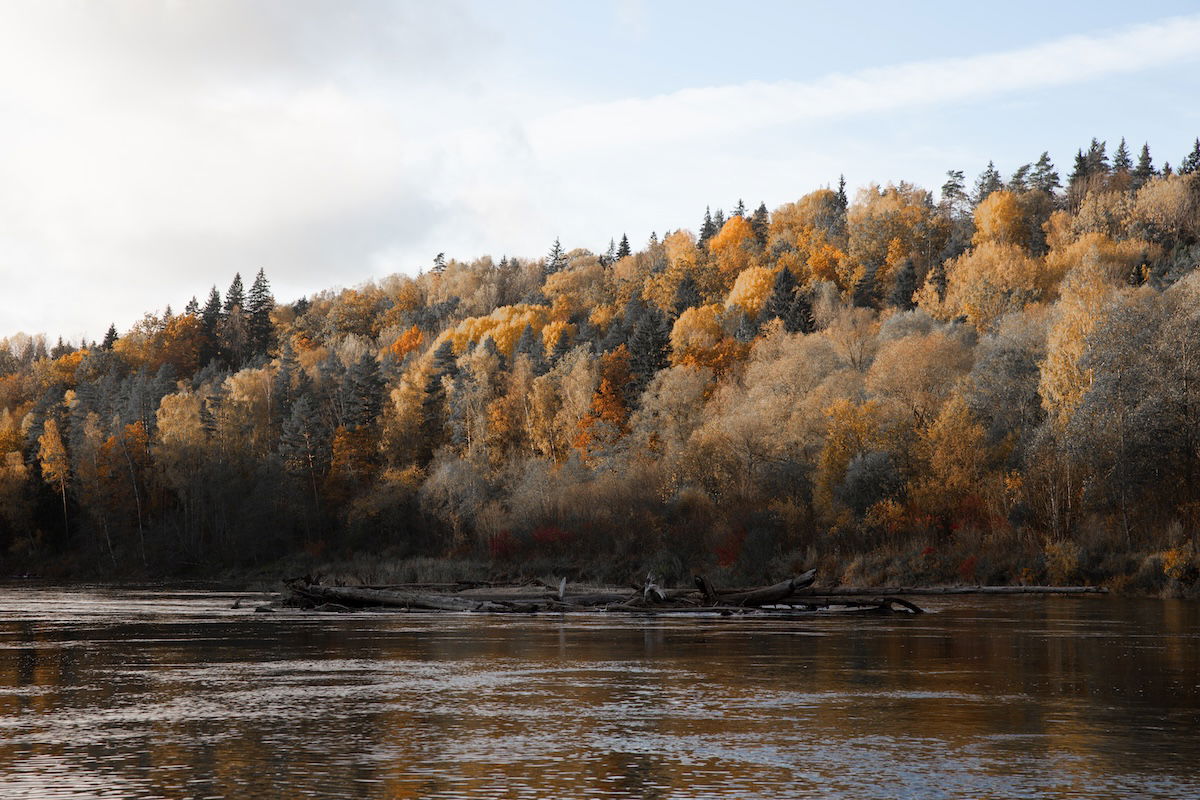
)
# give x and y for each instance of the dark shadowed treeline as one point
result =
(1002, 384)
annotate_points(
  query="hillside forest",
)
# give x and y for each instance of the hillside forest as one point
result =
(997, 382)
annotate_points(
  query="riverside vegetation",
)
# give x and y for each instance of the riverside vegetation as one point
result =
(998, 384)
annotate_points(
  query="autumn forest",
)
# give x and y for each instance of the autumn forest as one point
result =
(996, 381)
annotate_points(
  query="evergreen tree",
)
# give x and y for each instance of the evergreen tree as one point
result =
(1097, 159)
(718, 219)
(304, 444)
(433, 407)
(210, 317)
(1144, 170)
(782, 294)
(259, 305)
(110, 338)
(707, 228)
(649, 350)
(906, 286)
(842, 201)
(439, 264)
(529, 344)
(283, 384)
(609, 257)
(760, 224)
(623, 250)
(1121, 160)
(193, 307)
(799, 315)
(1044, 177)
(954, 194)
(740, 209)
(561, 347)
(988, 182)
(687, 295)
(1080, 172)
(556, 260)
(362, 390)
(1191, 162)
(1019, 182)
(235, 295)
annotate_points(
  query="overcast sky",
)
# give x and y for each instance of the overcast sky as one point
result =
(151, 149)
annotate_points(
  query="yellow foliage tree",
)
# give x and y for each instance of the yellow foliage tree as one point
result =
(988, 282)
(56, 468)
(751, 289)
(734, 248)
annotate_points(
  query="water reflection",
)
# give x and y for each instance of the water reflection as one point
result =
(122, 694)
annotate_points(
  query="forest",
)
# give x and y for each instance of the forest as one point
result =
(995, 383)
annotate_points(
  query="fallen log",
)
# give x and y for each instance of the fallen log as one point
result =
(354, 596)
(896, 591)
(758, 597)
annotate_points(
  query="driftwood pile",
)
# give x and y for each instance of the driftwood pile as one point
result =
(790, 596)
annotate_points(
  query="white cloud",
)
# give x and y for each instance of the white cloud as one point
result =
(726, 110)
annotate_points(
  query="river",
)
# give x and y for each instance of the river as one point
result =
(156, 694)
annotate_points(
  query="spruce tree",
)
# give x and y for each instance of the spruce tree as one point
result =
(433, 407)
(259, 305)
(623, 250)
(906, 286)
(235, 296)
(987, 182)
(799, 316)
(1019, 182)
(529, 344)
(110, 338)
(649, 349)
(1097, 159)
(740, 209)
(556, 260)
(842, 201)
(282, 385)
(1191, 162)
(1121, 160)
(193, 307)
(687, 295)
(718, 219)
(439, 264)
(362, 389)
(782, 294)
(760, 223)
(1144, 170)
(609, 257)
(707, 229)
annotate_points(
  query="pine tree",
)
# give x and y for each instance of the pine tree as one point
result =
(110, 338)
(1019, 182)
(259, 305)
(304, 443)
(433, 407)
(760, 224)
(1080, 172)
(623, 250)
(842, 201)
(718, 219)
(556, 260)
(529, 345)
(1121, 160)
(1044, 177)
(687, 295)
(740, 209)
(362, 390)
(439, 264)
(193, 307)
(1191, 162)
(782, 294)
(1144, 170)
(235, 295)
(988, 182)
(954, 194)
(609, 257)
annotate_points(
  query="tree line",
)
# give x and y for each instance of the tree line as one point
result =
(1000, 382)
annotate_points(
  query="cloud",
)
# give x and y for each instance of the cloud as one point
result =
(726, 110)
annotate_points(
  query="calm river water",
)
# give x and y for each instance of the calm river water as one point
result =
(134, 694)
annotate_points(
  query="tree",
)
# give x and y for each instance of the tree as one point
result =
(556, 260)
(1122, 163)
(687, 294)
(954, 195)
(1044, 177)
(783, 293)
(649, 351)
(1144, 170)
(259, 305)
(439, 263)
(988, 181)
(234, 295)
(56, 468)
(760, 224)
(110, 338)
(623, 250)
(707, 228)
(1191, 162)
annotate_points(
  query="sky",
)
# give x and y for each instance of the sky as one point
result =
(150, 150)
